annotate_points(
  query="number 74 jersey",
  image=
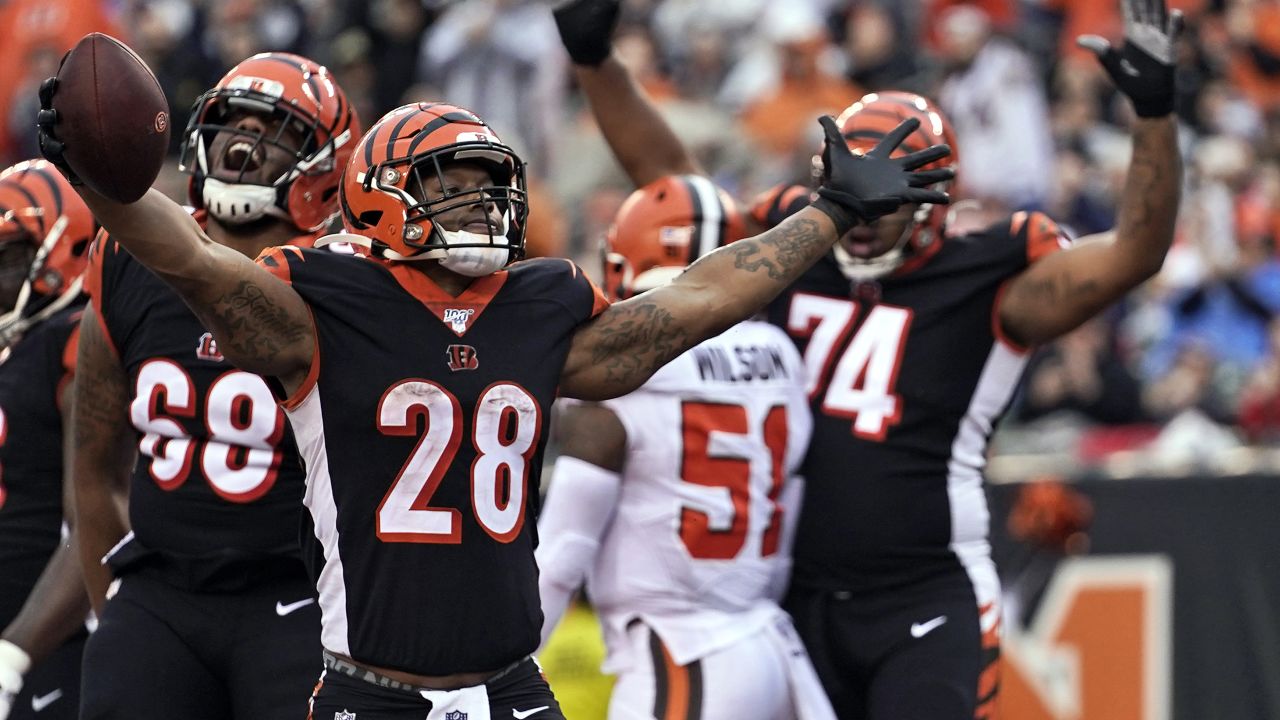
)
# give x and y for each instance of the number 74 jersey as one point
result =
(907, 379)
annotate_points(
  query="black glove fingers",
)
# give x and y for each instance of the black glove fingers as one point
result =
(929, 177)
(1159, 13)
(891, 141)
(921, 195)
(1174, 26)
(47, 89)
(924, 157)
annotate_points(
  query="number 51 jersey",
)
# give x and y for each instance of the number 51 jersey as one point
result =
(907, 378)
(422, 425)
(699, 544)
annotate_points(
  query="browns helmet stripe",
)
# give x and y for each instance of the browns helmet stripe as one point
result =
(709, 217)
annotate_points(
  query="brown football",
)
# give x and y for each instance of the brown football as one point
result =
(113, 118)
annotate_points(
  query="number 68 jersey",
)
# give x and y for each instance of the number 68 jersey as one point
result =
(699, 543)
(215, 493)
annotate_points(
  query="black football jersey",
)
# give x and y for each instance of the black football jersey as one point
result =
(907, 377)
(218, 484)
(422, 425)
(32, 376)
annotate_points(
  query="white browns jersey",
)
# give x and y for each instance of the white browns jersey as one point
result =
(699, 544)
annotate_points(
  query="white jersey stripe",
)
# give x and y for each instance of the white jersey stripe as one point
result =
(995, 388)
(308, 427)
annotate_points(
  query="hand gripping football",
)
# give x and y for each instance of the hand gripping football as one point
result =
(112, 118)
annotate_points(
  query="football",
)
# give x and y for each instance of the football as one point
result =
(112, 116)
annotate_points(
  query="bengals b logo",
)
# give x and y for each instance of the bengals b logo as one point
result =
(461, 357)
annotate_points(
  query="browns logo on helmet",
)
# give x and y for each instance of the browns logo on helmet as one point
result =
(863, 124)
(41, 212)
(385, 200)
(310, 125)
(663, 227)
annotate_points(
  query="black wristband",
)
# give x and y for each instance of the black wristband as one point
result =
(842, 217)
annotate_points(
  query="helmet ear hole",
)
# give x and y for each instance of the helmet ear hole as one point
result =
(370, 218)
(79, 247)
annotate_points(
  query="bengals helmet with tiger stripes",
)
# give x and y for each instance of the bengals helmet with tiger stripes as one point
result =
(663, 227)
(384, 195)
(306, 100)
(863, 124)
(40, 208)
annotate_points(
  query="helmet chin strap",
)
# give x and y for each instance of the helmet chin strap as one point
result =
(480, 257)
(239, 204)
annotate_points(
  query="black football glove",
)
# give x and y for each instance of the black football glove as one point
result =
(50, 146)
(586, 29)
(862, 188)
(1143, 68)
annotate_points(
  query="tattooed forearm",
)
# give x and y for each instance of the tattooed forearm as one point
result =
(251, 326)
(633, 342)
(783, 252)
(100, 401)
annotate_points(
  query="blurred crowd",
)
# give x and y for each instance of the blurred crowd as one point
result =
(1188, 365)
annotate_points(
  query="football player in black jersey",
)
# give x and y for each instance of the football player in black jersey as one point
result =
(915, 342)
(45, 231)
(418, 379)
(214, 616)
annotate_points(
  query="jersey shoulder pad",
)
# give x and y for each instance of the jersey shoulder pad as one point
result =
(1038, 234)
(778, 203)
(551, 276)
(276, 260)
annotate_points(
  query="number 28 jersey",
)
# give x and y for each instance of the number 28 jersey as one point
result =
(422, 425)
(907, 378)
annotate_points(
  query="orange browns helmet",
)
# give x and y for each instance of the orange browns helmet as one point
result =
(38, 206)
(384, 197)
(662, 228)
(864, 123)
(308, 101)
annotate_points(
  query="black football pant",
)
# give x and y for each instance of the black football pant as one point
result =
(162, 652)
(914, 654)
(51, 690)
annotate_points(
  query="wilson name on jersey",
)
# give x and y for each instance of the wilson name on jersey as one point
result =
(32, 376)
(218, 480)
(907, 379)
(713, 438)
(422, 425)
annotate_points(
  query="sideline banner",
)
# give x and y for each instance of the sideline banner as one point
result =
(1173, 613)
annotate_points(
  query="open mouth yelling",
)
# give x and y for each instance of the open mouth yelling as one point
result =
(243, 156)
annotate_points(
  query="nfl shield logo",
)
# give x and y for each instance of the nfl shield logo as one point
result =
(455, 715)
(344, 715)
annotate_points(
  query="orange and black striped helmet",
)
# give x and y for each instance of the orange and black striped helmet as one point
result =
(306, 99)
(38, 206)
(869, 119)
(384, 195)
(663, 227)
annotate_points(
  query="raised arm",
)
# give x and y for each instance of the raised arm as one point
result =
(638, 135)
(101, 456)
(1063, 290)
(624, 345)
(261, 325)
